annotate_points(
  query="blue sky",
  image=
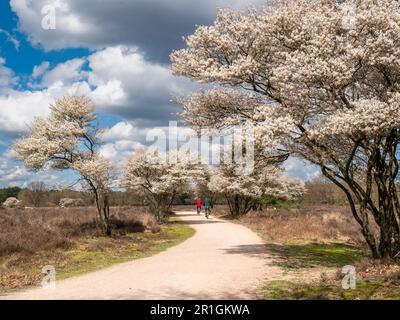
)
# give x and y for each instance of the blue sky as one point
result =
(117, 52)
(23, 59)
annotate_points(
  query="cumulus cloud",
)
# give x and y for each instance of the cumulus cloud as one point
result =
(40, 69)
(19, 108)
(13, 173)
(120, 131)
(136, 88)
(124, 138)
(121, 140)
(298, 168)
(118, 79)
(67, 72)
(7, 77)
(126, 75)
(156, 27)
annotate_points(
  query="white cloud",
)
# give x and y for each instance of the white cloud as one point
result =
(19, 108)
(120, 131)
(121, 77)
(10, 38)
(67, 72)
(156, 27)
(40, 69)
(68, 23)
(110, 94)
(14, 173)
(118, 79)
(301, 169)
(118, 151)
(122, 140)
(7, 77)
(129, 85)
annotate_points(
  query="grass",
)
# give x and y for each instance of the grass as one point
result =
(365, 290)
(309, 255)
(72, 244)
(375, 279)
(283, 204)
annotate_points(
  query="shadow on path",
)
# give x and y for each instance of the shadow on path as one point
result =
(185, 215)
(197, 221)
(247, 249)
(314, 254)
(168, 292)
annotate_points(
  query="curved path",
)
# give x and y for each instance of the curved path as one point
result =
(222, 260)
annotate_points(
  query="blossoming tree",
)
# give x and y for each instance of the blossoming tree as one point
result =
(67, 139)
(320, 80)
(243, 192)
(160, 176)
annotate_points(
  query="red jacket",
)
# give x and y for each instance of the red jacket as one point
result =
(198, 203)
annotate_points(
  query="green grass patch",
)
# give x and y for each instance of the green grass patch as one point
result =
(282, 204)
(365, 290)
(295, 256)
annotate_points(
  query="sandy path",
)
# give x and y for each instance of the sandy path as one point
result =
(221, 261)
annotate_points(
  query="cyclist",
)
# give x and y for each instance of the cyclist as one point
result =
(198, 205)
(207, 206)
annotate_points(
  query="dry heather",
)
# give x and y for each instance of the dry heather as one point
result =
(71, 240)
(29, 230)
(321, 224)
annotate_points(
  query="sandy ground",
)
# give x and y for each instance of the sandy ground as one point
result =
(222, 260)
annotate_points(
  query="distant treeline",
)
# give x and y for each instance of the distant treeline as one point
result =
(33, 196)
(38, 196)
(319, 191)
(9, 192)
(322, 191)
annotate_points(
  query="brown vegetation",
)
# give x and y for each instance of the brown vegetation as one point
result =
(29, 230)
(69, 239)
(320, 191)
(34, 237)
(321, 224)
(51, 198)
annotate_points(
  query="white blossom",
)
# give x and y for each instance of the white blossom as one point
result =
(67, 139)
(159, 177)
(321, 89)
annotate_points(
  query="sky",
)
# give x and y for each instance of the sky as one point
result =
(114, 51)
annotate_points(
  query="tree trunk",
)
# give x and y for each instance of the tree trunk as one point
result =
(159, 205)
(103, 209)
(382, 206)
(239, 205)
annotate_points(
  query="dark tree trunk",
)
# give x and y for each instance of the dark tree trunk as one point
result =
(239, 205)
(376, 197)
(160, 205)
(106, 215)
(103, 208)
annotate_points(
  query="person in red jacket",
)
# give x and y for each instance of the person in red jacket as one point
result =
(198, 205)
